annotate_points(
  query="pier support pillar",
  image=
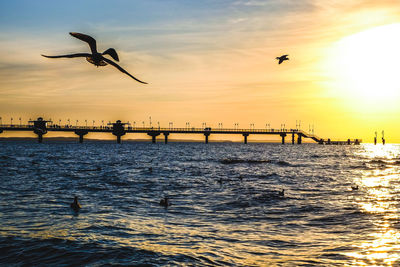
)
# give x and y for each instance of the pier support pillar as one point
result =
(292, 138)
(40, 138)
(206, 135)
(299, 139)
(166, 138)
(1, 130)
(245, 138)
(374, 140)
(283, 135)
(348, 142)
(153, 136)
(329, 141)
(81, 133)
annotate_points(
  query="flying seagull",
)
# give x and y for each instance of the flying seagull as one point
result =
(282, 58)
(95, 57)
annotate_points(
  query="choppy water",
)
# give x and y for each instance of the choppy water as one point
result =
(225, 210)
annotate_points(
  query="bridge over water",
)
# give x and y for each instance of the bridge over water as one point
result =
(40, 127)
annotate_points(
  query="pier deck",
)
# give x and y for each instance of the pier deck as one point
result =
(119, 129)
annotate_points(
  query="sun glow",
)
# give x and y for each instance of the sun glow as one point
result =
(366, 65)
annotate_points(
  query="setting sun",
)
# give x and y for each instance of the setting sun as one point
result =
(367, 64)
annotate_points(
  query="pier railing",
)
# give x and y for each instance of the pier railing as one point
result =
(56, 127)
(41, 127)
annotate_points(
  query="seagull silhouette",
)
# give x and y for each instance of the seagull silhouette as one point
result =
(282, 58)
(95, 57)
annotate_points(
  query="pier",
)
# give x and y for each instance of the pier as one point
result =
(40, 127)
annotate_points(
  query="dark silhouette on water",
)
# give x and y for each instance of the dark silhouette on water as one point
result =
(281, 193)
(165, 202)
(75, 205)
(354, 188)
(282, 58)
(95, 57)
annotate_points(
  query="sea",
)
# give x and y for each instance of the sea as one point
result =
(340, 205)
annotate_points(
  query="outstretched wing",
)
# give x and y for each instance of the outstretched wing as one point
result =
(70, 56)
(112, 53)
(121, 69)
(285, 56)
(86, 38)
(281, 60)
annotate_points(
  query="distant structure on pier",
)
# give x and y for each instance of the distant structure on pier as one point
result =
(39, 128)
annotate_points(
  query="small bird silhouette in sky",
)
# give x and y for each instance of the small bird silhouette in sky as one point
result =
(282, 58)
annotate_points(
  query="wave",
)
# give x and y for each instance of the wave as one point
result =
(253, 161)
(283, 163)
(360, 167)
(377, 161)
(248, 161)
(374, 164)
(5, 157)
(54, 251)
(269, 175)
(90, 170)
(328, 156)
(384, 162)
(268, 196)
(118, 183)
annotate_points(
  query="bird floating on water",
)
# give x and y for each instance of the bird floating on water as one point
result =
(354, 188)
(75, 205)
(95, 57)
(165, 202)
(281, 193)
(282, 58)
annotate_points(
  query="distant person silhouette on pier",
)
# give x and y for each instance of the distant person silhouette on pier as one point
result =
(95, 57)
(75, 205)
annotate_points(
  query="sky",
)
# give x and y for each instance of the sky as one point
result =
(207, 61)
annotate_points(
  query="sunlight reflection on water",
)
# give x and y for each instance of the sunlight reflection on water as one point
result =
(381, 187)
